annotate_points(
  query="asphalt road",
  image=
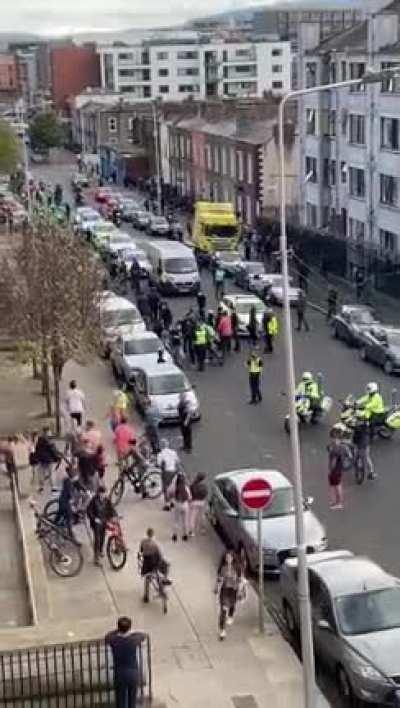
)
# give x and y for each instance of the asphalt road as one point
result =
(233, 434)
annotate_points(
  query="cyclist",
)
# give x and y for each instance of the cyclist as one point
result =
(309, 390)
(99, 511)
(361, 442)
(372, 405)
(68, 494)
(152, 562)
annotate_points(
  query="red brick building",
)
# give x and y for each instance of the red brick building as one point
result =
(8, 75)
(73, 69)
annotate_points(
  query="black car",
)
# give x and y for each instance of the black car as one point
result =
(381, 345)
(245, 271)
(351, 322)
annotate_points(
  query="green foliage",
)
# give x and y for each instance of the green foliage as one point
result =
(46, 131)
(10, 149)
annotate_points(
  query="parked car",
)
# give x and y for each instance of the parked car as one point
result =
(84, 218)
(247, 270)
(269, 287)
(229, 261)
(350, 323)
(130, 255)
(140, 219)
(133, 351)
(381, 345)
(118, 317)
(128, 208)
(102, 194)
(239, 524)
(79, 181)
(243, 305)
(108, 207)
(163, 384)
(158, 226)
(115, 242)
(355, 607)
(100, 232)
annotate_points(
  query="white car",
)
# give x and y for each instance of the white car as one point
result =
(269, 286)
(158, 226)
(135, 350)
(100, 232)
(118, 317)
(243, 305)
(85, 218)
(117, 241)
(163, 384)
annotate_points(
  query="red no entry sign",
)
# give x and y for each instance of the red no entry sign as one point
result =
(256, 493)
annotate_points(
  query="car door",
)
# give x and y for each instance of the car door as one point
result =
(381, 348)
(140, 387)
(225, 509)
(326, 638)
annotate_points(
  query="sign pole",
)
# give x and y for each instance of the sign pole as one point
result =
(260, 573)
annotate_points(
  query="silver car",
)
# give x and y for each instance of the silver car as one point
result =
(133, 351)
(356, 622)
(163, 384)
(239, 524)
(158, 226)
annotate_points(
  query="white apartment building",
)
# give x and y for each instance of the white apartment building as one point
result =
(174, 70)
(350, 137)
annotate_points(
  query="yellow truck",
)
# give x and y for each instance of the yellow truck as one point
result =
(215, 227)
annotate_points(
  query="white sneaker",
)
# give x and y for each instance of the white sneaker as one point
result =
(222, 634)
(229, 620)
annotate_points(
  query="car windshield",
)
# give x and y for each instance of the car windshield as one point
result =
(243, 308)
(141, 346)
(180, 265)
(394, 339)
(229, 256)
(220, 230)
(367, 612)
(168, 383)
(362, 317)
(282, 505)
(117, 318)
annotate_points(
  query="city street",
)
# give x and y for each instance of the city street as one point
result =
(233, 434)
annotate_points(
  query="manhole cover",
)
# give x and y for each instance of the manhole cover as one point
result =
(244, 702)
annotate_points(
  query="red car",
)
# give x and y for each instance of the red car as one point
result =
(107, 208)
(102, 194)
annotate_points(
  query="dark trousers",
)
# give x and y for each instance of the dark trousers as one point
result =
(65, 518)
(188, 348)
(219, 290)
(99, 535)
(236, 341)
(255, 392)
(125, 693)
(225, 345)
(201, 351)
(301, 320)
(186, 431)
(269, 342)
(77, 417)
(227, 599)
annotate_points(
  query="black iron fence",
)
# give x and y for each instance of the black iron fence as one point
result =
(69, 675)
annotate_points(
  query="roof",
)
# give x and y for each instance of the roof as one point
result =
(115, 302)
(238, 297)
(354, 40)
(276, 479)
(170, 247)
(141, 334)
(348, 576)
(243, 128)
(154, 368)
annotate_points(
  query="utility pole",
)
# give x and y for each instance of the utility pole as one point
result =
(157, 155)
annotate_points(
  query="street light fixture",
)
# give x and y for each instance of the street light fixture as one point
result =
(370, 76)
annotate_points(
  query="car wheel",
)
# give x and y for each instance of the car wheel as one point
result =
(388, 367)
(363, 354)
(290, 620)
(344, 686)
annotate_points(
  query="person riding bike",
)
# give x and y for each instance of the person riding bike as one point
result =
(152, 561)
(372, 405)
(309, 390)
(361, 442)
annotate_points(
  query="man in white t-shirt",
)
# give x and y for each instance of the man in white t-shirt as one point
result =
(75, 403)
(169, 463)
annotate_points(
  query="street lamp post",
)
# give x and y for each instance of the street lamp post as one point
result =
(303, 586)
(157, 156)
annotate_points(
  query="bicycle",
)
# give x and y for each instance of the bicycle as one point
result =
(146, 482)
(155, 581)
(65, 556)
(81, 502)
(356, 461)
(116, 548)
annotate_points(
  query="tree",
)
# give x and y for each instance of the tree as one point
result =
(51, 286)
(46, 131)
(10, 149)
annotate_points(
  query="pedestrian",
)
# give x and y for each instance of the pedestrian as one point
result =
(89, 443)
(99, 512)
(337, 455)
(200, 344)
(179, 494)
(252, 327)
(75, 403)
(31, 442)
(219, 278)
(270, 329)
(118, 408)
(247, 249)
(224, 329)
(199, 495)
(186, 419)
(235, 329)
(144, 308)
(255, 367)
(169, 463)
(332, 303)
(154, 302)
(188, 329)
(227, 587)
(176, 342)
(201, 304)
(125, 645)
(301, 307)
(152, 420)
(46, 455)
(166, 315)
(303, 277)
(124, 437)
(67, 208)
(360, 283)
(362, 444)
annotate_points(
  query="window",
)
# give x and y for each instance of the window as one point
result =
(388, 189)
(127, 88)
(242, 52)
(224, 160)
(240, 165)
(233, 162)
(356, 230)
(311, 169)
(311, 121)
(216, 159)
(186, 88)
(277, 52)
(189, 71)
(332, 72)
(277, 68)
(112, 125)
(187, 55)
(311, 214)
(343, 172)
(250, 168)
(277, 84)
(343, 71)
(163, 89)
(328, 118)
(357, 129)
(387, 240)
(163, 72)
(329, 172)
(127, 56)
(357, 182)
(390, 133)
(357, 71)
(126, 72)
(146, 91)
(390, 85)
(162, 56)
(311, 74)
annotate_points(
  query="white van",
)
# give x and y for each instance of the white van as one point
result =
(174, 267)
(118, 318)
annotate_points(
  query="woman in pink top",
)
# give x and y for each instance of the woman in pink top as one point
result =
(124, 435)
(224, 329)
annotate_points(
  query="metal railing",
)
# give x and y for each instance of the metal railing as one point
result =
(67, 676)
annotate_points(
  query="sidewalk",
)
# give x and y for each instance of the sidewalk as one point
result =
(192, 668)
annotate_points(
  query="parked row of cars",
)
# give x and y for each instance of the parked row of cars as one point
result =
(11, 209)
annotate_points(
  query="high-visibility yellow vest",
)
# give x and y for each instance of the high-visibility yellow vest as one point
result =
(254, 365)
(273, 326)
(200, 336)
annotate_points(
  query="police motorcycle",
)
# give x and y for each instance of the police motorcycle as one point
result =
(384, 425)
(308, 414)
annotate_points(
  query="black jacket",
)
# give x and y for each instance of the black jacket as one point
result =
(101, 509)
(45, 451)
